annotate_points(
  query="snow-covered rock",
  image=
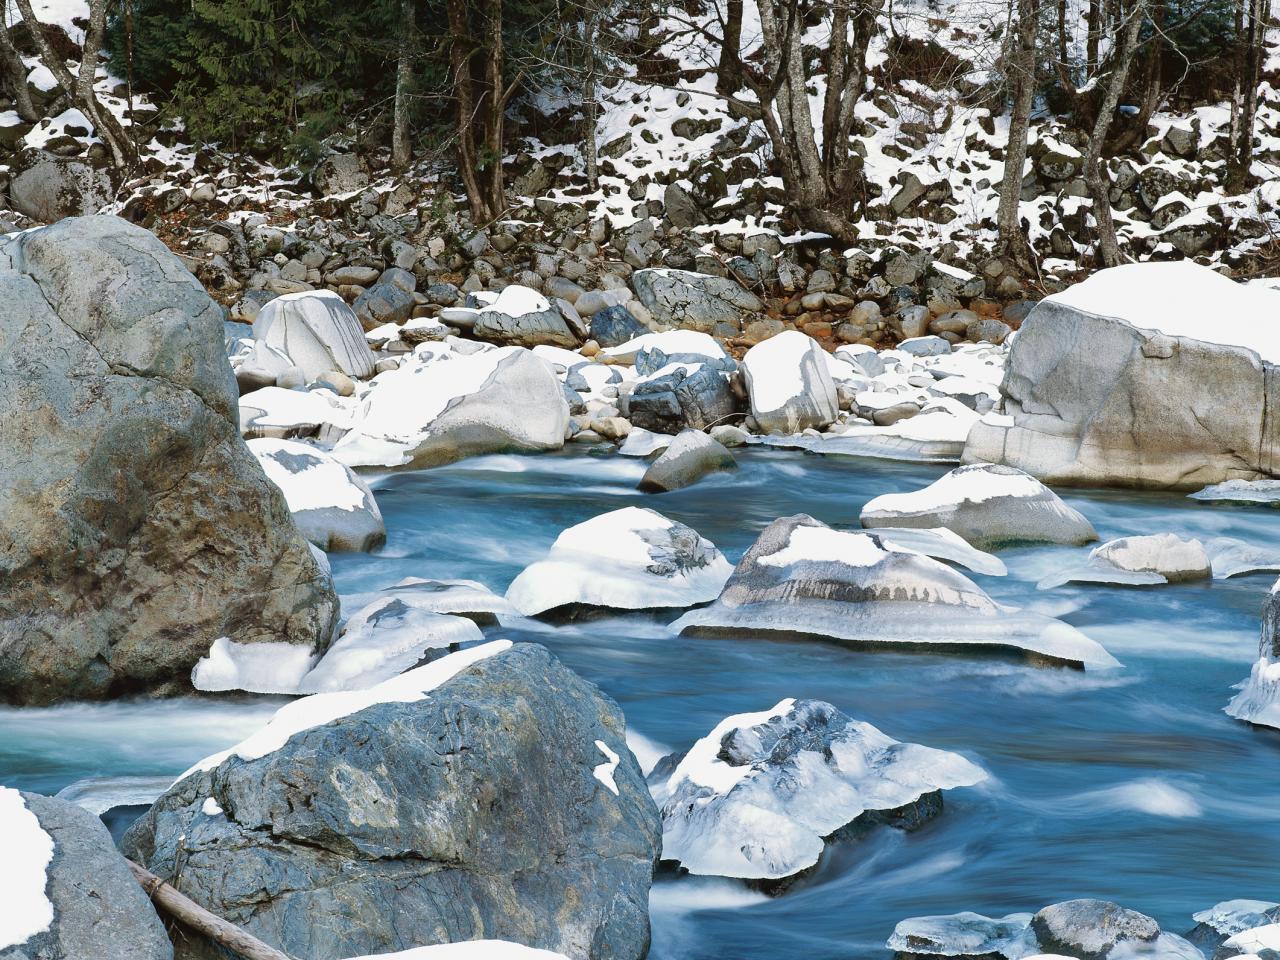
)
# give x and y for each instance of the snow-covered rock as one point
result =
(1262, 942)
(331, 505)
(518, 315)
(1106, 382)
(67, 891)
(314, 331)
(628, 559)
(964, 935)
(465, 598)
(1241, 493)
(987, 505)
(677, 344)
(384, 639)
(691, 456)
(1226, 919)
(941, 544)
(641, 442)
(680, 394)
(757, 797)
(280, 413)
(789, 384)
(1258, 701)
(1148, 560)
(1230, 557)
(264, 667)
(440, 407)
(802, 577)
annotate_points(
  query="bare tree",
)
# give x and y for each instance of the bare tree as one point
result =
(401, 144)
(729, 70)
(1020, 59)
(80, 87)
(1095, 174)
(15, 77)
(1251, 25)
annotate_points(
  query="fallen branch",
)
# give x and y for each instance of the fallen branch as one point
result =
(220, 931)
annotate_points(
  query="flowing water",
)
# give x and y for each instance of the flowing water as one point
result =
(1128, 785)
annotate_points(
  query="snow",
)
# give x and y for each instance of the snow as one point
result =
(1234, 916)
(822, 544)
(942, 544)
(1182, 299)
(28, 851)
(626, 559)
(702, 766)
(267, 667)
(1258, 701)
(1266, 937)
(321, 708)
(774, 366)
(310, 479)
(672, 342)
(469, 950)
(604, 772)
(210, 807)
(641, 442)
(1242, 492)
(276, 407)
(963, 485)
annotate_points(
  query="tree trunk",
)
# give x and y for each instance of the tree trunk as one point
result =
(401, 148)
(1095, 175)
(729, 71)
(186, 910)
(496, 97)
(15, 77)
(1010, 238)
(461, 55)
(80, 88)
(1256, 13)
(1093, 21)
(590, 105)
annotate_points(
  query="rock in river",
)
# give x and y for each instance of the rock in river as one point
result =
(801, 578)
(1258, 701)
(628, 559)
(987, 505)
(759, 796)
(487, 795)
(135, 526)
(691, 456)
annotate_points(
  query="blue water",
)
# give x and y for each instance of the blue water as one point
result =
(1130, 785)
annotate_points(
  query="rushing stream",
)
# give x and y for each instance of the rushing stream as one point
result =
(1127, 785)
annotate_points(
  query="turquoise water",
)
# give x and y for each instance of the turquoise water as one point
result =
(1129, 785)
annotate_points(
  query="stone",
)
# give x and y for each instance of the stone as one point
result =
(727, 435)
(693, 301)
(988, 329)
(1091, 929)
(47, 188)
(1106, 383)
(339, 173)
(680, 207)
(435, 409)
(691, 456)
(487, 794)
(760, 795)
(1175, 559)
(628, 559)
(314, 331)
(355, 274)
(801, 578)
(384, 302)
(988, 505)
(789, 383)
(612, 326)
(925, 346)
(135, 526)
(332, 507)
(679, 395)
(88, 902)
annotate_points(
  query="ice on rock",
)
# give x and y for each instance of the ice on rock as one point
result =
(1243, 493)
(941, 544)
(1258, 701)
(1226, 919)
(1230, 557)
(641, 442)
(1150, 560)
(277, 412)
(384, 639)
(801, 577)
(100, 794)
(469, 950)
(987, 505)
(964, 935)
(757, 797)
(28, 851)
(266, 667)
(1261, 941)
(628, 559)
(463, 598)
(935, 435)
(672, 343)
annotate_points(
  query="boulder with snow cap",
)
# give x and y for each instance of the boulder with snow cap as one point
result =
(685, 345)
(681, 395)
(790, 384)
(691, 456)
(1224, 920)
(489, 794)
(438, 408)
(464, 598)
(1153, 559)
(68, 894)
(988, 505)
(628, 559)
(522, 317)
(1262, 943)
(315, 331)
(801, 578)
(762, 793)
(135, 526)
(1091, 929)
(331, 505)
(1241, 493)
(1105, 382)
(693, 301)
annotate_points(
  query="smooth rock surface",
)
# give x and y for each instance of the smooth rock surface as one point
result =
(316, 331)
(691, 456)
(789, 383)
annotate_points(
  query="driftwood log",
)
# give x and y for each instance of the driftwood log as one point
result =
(183, 908)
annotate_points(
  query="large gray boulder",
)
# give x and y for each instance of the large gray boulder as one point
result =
(1091, 929)
(693, 301)
(135, 526)
(316, 331)
(691, 456)
(1144, 375)
(680, 395)
(487, 795)
(436, 409)
(802, 578)
(789, 382)
(47, 187)
(69, 895)
(989, 505)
